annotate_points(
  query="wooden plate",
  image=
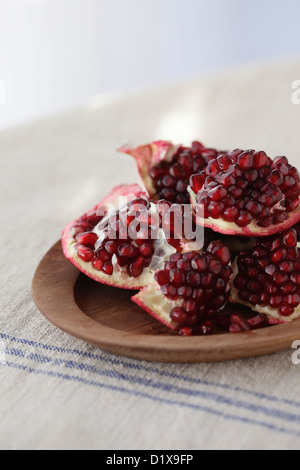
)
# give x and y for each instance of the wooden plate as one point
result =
(106, 318)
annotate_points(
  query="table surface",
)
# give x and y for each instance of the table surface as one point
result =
(58, 392)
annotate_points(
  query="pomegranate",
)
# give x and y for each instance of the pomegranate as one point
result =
(166, 168)
(120, 242)
(247, 193)
(189, 290)
(267, 277)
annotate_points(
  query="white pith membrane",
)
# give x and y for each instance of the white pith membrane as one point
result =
(120, 277)
(272, 314)
(251, 230)
(152, 300)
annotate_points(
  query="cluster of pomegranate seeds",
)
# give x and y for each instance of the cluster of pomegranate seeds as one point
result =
(171, 179)
(269, 274)
(178, 223)
(132, 254)
(198, 282)
(246, 187)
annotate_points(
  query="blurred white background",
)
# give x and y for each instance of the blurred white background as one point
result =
(54, 54)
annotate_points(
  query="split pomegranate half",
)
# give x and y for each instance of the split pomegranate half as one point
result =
(119, 242)
(247, 193)
(166, 168)
(189, 290)
(267, 277)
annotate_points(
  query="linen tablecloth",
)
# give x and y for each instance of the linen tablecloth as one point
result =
(57, 392)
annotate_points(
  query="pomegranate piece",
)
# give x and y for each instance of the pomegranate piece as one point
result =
(189, 290)
(166, 168)
(267, 278)
(247, 193)
(119, 242)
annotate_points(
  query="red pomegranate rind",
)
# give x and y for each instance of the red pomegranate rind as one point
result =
(267, 278)
(166, 168)
(119, 263)
(247, 193)
(190, 289)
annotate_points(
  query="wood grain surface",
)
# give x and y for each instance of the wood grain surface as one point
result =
(106, 318)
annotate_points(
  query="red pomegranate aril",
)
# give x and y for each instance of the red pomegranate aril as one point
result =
(234, 328)
(177, 277)
(258, 321)
(190, 306)
(240, 321)
(98, 264)
(295, 278)
(286, 311)
(276, 301)
(108, 268)
(199, 263)
(204, 329)
(288, 288)
(280, 279)
(253, 286)
(186, 331)
(227, 180)
(215, 266)
(254, 208)
(184, 264)
(111, 247)
(251, 175)
(264, 298)
(230, 214)
(222, 252)
(245, 160)
(146, 250)
(135, 269)
(290, 239)
(85, 253)
(179, 316)
(278, 255)
(162, 277)
(127, 251)
(208, 280)
(240, 282)
(196, 182)
(270, 288)
(244, 219)
(292, 300)
(87, 239)
(185, 292)
(224, 162)
(103, 255)
(218, 193)
(215, 209)
(193, 278)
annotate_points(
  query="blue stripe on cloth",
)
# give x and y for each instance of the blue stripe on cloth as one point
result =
(197, 407)
(150, 383)
(141, 367)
